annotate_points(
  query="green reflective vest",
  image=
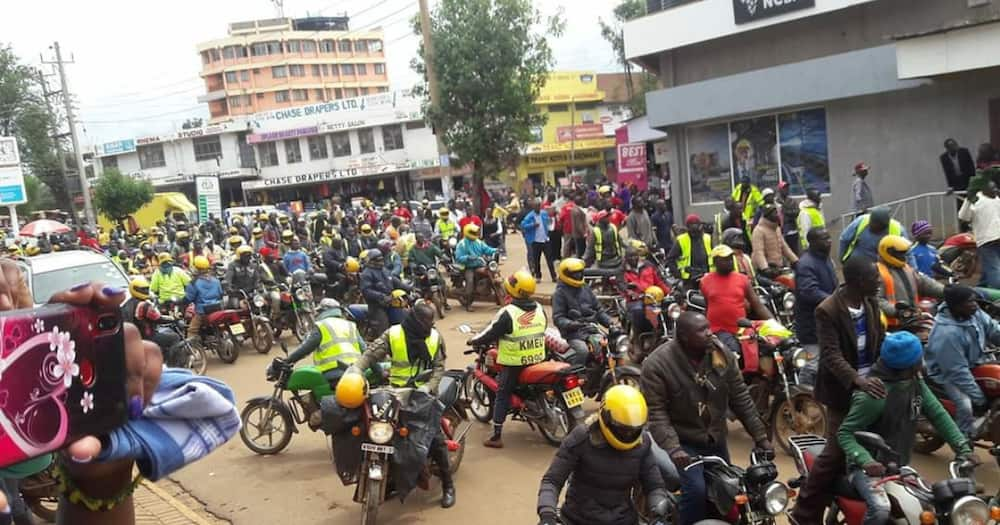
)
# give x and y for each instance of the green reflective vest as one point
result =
(338, 344)
(599, 243)
(401, 370)
(447, 228)
(525, 344)
(684, 261)
(816, 220)
(753, 200)
(894, 229)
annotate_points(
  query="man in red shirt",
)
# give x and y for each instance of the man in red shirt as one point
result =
(404, 212)
(566, 224)
(727, 294)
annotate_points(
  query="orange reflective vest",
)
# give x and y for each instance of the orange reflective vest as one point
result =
(889, 288)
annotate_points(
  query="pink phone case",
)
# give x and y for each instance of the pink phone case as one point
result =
(62, 376)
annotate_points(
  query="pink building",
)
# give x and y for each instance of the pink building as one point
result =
(271, 64)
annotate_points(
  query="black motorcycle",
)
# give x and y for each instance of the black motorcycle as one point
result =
(430, 287)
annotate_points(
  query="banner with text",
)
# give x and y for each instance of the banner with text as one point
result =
(746, 11)
(632, 164)
(209, 200)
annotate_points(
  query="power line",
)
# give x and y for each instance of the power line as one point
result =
(145, 117)
(146, 91)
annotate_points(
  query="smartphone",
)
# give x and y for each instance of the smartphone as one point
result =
(62, 377)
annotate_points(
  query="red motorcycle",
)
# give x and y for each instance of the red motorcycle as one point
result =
(219, 332)
(959, 253)
(548, 395)
(987, 376)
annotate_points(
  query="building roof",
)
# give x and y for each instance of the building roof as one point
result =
(615, 86)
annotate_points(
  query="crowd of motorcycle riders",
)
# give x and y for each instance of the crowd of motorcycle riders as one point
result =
(871, 343)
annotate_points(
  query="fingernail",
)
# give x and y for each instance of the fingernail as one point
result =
(81, 286)
(112, 290)
(135, 407)
(81, 460)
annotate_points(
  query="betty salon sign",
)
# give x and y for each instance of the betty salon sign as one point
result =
(746, 11)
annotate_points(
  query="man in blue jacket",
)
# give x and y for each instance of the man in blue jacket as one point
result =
(296, 259)
(815, 280)
(205, 291)
(535, 228)
(470, 254)
(955, 347)
(864, 233)
(376, 287)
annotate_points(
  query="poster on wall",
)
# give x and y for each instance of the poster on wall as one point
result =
(631, 165)
(755, 151)
(209, 201)
(805, 163)
(708, 163)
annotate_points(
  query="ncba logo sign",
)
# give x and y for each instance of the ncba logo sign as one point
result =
(752, 10)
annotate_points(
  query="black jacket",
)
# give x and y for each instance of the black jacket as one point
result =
(333, 260)
(958, 180)
(602, 477)
(377, 288)
(567, 299)
(243, 277)
(815, 280)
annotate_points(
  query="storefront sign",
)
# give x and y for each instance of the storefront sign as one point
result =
(214, 129)
(562, 159)
(579, 132)
(152, 139)
(11, 177)
(337, 174)
(209, 201)
(281, 135)
(8, 152)
(631, 158)
(752, 10)
(567, 146)
(334, 111)
(117, 147)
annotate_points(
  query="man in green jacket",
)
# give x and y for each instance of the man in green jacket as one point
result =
(424, 252)
(895, 419)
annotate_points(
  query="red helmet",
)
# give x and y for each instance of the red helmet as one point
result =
(603, 214)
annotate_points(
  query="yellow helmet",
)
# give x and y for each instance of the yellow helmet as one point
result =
(623, 416)
(235, 241)
(201, 263)
(366, 229)
(398, 299)
(363, 256)
(443, 213)
(352, 265)
(243, 249)
(653, 295)
(182, 234)
(139, 288)
(471, 231)
(233, 230)
(571, 271)
(287, 235)
(352, 389)
(892, 250)
(604, 189)
(520, 284)
(257, 232)
(32, 250)
(164, 257)
(262, 217)
(154, 230)
(237, 220)
(13, 248)
(640, 247)
(283, 219)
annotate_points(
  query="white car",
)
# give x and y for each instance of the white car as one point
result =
(58, 271)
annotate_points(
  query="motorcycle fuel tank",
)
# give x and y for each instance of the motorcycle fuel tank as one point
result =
(988, 378)
(310, 378)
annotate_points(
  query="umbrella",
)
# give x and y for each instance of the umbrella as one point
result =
(36, 228)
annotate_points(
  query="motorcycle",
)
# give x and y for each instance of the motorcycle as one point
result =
(548, 396)
(778, 296)
(770, 359)
(987, 376)
(488, 282)
(605, 283)
(959, 253)
(255, 322)
(184, 354)
(605, 363)
(661, 316)
(750, 496)
(429, 287)
(358, 314)
(296, 312)
(218, 333)
(952, 500)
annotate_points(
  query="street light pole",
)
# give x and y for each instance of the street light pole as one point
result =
(432, 82)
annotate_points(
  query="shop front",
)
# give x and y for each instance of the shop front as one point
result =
(564, 163)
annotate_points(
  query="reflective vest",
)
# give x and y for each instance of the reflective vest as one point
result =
(599, 243)
(816, 220)
(401, 369)
(684, 261)
(338, 344)
(751, 201)
(124, 263)
(525, 344)
(889, 288)
(746, 268)
(894, 229)
(447, 228)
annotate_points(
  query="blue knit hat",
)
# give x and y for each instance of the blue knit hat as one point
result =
(901, 350)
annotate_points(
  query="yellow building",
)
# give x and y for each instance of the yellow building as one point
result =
(579, 131)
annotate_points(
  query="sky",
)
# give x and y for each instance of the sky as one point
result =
(136, 64)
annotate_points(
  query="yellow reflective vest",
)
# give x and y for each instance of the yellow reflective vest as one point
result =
(401, 370)
(816, 220)
(338, 344)
(525, 344)
(599, 242)
(684, 261)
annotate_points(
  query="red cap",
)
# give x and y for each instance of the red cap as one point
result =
(600, 215)
(861, 166)
(693, 218)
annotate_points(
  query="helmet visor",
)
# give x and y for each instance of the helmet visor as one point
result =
(624, 433)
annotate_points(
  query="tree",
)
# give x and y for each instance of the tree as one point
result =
(119, 196)
(614, 33)
(491, 62)
(39, 196)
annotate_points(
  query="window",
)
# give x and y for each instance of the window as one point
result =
(320, 94)
(214, 55)
(315, 70)
(363, 91)
(362, 69)
(268, 153)
(383, 89)
(308, 46)
(326, 70)
(345, 46)
(416, 124)
(244, 76)
(232, 52)
(292, 152)
(327, 46)
(151, 156)
(266, 48)
(293, 46)
(230, 76)
(234, 102)
(361, 46)
(260, 96)
(375, 46)
(379, 69)
(347, 69)
(281, 96)
(350, 92)
(297, 70)
(558, 108)
(338, 93)
(366, 140)
(300, 94)
(256, 71)
(392, 137)
(586, 106)
(803, 142)
(279, 71)
(207, 148)
(205, 58)
(109, 162)
(317, 147)
(341, 144)
(247, 159)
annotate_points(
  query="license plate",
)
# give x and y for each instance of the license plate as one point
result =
(237, 329)
(378, 449)
(573, 398)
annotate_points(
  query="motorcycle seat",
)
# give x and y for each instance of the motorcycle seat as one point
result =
(601, 272)
(546, 372)
(222, 315)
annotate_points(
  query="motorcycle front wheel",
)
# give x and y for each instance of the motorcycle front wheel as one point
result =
(480, 399)
(267, 426)
(197, 360)
(263, 337)
(558, 423)
(226, 348)
(40, 493)
(800, 415)
(303, 325)
(373, 497)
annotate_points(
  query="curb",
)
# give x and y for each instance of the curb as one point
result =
(153, 505)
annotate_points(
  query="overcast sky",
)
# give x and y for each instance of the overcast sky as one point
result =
(136, 69)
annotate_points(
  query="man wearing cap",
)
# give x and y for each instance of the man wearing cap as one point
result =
(769, 250)
(864, 233)
(810, 215)
(861, 194)
(689, 255)
(961, 333)
(749, 197)
(727, 294)
(894, 417)
(983, 212)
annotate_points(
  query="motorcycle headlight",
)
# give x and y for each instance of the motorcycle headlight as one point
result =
(788, 301)
(776, 498)
(969, 510)
(800, 358)
(432, 274)
(302, 294)
(622, 345)
(674, 311)
(258, 301)
(380, 433)
(494, 267)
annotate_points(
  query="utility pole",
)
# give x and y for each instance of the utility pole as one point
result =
(56, 138)
(88, 208)
(443, 156)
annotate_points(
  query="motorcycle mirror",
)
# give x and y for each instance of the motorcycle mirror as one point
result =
(744, 323)
(465, 329)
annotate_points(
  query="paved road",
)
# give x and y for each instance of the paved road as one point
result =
(494, 487)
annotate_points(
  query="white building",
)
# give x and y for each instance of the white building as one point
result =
(376, 145)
